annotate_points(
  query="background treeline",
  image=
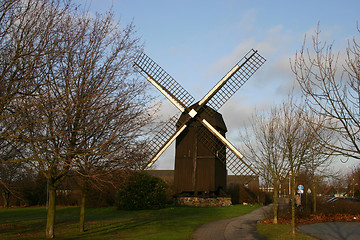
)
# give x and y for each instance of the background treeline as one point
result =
(30, 189)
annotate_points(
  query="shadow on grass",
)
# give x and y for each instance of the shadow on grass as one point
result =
(109, 223)
(16, 231)
(115, 227)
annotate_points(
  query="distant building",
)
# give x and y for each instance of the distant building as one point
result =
(330, 192)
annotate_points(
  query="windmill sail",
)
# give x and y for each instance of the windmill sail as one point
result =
(233, 80)
(162, 140)
(235, 161)
(163, 81)
(238, 166)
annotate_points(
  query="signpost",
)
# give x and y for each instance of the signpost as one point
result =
(300, 189)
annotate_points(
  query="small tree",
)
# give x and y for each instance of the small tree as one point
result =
(320, 156)
(284, 141)
(300, 136)
(353, 182)
(264, 147)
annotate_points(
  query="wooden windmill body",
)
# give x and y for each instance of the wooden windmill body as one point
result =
(192, 152)
(203, 154)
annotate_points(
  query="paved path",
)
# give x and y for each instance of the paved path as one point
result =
(242, 227)
(332, 230)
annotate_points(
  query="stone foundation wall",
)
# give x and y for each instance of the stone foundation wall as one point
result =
(204, 202)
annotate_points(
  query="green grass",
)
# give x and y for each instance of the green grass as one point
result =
(279, 231)
(110, 223)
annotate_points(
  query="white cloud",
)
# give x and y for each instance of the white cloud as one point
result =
(276, 29)
(248, 20)
(275, 46)
(224, 64)
(166, 110)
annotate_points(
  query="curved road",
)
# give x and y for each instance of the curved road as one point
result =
(242, 227)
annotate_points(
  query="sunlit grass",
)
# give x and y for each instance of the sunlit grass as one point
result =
(279, 231)
(110, 223)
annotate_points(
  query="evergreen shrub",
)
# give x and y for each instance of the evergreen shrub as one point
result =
(142, 191)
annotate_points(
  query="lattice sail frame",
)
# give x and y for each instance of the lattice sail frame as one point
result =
(249, 64)
(238, 166)
(227, 86)
(148, 68)
(162, 138)
(163, 135)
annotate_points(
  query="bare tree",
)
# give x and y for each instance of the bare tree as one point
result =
(82, 110)
(320, 157)
(285, 140)
(331, 84)
(264, 147)
(29, 40)
(300, 136)
(9, 174)
(27, 43)
(111, 143)
(353, 182)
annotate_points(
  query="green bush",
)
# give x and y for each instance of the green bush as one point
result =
(142, 191)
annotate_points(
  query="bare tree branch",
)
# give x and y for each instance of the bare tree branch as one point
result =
(331, 86)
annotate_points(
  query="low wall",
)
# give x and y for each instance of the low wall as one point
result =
(204, 202)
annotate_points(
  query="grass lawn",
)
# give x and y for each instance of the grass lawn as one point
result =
(279, 231)
(110, 223)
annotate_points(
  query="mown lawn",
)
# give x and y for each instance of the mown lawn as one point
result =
(110, 223)
(279, 232)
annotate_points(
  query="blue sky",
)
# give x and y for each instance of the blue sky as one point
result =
(198, 42)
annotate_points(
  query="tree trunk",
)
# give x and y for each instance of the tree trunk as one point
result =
(314, 196)
(276, 190)
(50, 221)
(293, 205)
(6, 197)
(82, 207)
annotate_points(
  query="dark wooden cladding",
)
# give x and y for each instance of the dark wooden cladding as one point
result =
(198, 167)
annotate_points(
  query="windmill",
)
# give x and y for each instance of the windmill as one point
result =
(203, 154)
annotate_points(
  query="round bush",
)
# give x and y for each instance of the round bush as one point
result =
(142, 191)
